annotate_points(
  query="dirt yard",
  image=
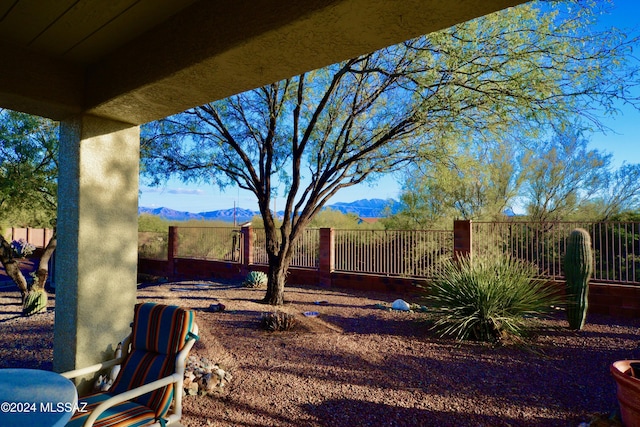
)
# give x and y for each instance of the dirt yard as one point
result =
(356, 364)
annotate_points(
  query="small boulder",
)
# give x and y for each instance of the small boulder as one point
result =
(214, 308)
(401, 305)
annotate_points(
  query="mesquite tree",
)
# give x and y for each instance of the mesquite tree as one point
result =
(311, 135)
(28, 186)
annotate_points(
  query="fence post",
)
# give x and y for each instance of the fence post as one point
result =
(247, 249)
(462, 239)
(172, 250)
(327, 261)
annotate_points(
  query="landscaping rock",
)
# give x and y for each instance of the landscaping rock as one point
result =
(401, 305)
(214, 308)
(202, 377)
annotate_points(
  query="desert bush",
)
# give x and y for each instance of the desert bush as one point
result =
(487, 298)
(153, 223)
(277, 321)
(153, 245)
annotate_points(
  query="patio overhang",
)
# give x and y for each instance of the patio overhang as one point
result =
(136, 61)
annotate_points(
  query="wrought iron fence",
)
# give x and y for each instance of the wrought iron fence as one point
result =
(213, 243)
(306, 249)
(420, 253)
(392, 252)
(616, 246)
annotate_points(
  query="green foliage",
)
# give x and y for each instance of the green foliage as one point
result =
(204, 223)
(277, 321)
(578, 268)
(153, 245)
(487, 298)
(157, 224)
(478, 182)
(627, 216)
(334, 219)
(489, 164)
(35, 302)
(563, 174)
(258, 222)
(330, 218)
(28, 169)
(255, 279)
(620, 192)
(149, 222)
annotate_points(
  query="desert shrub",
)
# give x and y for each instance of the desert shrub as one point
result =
(153, 245)
(487, 298)
(154, 223)
(277, 321)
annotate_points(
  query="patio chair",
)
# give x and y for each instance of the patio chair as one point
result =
(148, 388)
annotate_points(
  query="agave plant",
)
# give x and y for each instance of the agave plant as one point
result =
(255, 279)
(487, 298)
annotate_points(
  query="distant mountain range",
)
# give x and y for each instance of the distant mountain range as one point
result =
(366, 208)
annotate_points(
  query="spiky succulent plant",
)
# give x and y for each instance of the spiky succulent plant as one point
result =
(255, 279)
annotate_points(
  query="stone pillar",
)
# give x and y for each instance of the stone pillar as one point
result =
(327, 262)
(462, 239)
(97, 250)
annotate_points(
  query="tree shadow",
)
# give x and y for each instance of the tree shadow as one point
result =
(352, 412)
(373, 324)
(32, 349)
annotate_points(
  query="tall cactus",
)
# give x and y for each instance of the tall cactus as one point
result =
(578, 267)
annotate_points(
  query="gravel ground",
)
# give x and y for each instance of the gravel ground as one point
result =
(359, 365)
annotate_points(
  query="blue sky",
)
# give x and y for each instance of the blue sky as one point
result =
(622, 141)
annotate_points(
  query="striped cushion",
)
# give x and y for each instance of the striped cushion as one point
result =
(126, 414)
(142, 367)
(159, 333)
(160, 328)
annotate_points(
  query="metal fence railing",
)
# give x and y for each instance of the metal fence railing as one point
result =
(616, 246)
(213, 243)
(392, 252)
(306, 249)
(420, 253)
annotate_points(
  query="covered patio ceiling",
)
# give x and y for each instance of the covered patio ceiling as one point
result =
(135, 61)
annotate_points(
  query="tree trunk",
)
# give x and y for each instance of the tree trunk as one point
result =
(276, 275)
(12, 267)
(42, 273)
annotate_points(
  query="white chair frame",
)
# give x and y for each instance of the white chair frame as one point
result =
(177, 378)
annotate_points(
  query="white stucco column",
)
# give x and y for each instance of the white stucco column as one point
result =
(96, 257)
